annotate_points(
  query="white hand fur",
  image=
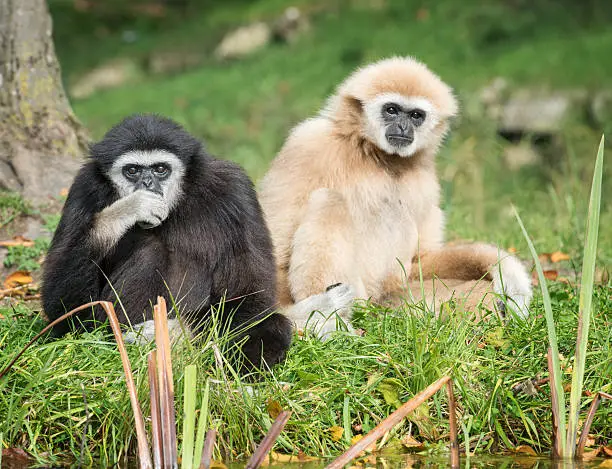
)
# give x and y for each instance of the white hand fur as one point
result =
(146, 208)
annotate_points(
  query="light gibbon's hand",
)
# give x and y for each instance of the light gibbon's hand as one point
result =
(150, 209)
(510, 279)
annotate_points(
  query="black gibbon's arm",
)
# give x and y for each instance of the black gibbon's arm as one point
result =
(244, 275)
(71, 274)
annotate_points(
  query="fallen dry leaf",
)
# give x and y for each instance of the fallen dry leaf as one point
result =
(590, 454)
(606, 464)
(336, 432)
(551, 274)
(274, 408)
(559, 256)
(590, 441)
(525, 449)
(17, 241)
(17, 279)
(411, 443)
(422, 14)
(607, 451)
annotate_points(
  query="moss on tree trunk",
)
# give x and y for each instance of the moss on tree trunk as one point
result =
(41, 141)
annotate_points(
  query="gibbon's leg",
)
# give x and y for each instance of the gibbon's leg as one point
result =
(323, 275)
(475, 262)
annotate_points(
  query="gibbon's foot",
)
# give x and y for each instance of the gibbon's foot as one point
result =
(326, 312)
(144, 332)
(512, 282)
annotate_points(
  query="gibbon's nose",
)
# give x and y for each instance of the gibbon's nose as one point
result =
(147, 181)
(402, 128)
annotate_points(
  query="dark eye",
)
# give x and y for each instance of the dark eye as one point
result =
(131, 170)
(392, 110)
(160, 169)
(417, 115)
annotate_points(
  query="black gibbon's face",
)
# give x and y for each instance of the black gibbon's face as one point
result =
(149, 178)
(158, 171)
(400, 123)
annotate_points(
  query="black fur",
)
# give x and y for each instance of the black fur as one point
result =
(213, 245)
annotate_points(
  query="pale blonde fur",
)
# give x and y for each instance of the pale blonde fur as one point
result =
(341, 209)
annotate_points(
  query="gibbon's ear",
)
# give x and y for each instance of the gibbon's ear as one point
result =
(353, 104)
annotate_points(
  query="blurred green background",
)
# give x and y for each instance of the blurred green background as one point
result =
(161, 56)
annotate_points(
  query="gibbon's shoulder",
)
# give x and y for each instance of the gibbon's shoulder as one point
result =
(313, 128)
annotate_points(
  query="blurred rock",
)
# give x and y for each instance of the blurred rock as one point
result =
(8, 181)
(291, 25)
(109, 75)
(172, 62)
(518, 155)
(244, 41)
(531, 111)
(600, 108)
(35, 229)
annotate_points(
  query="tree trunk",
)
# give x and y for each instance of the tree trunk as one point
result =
(41, 141)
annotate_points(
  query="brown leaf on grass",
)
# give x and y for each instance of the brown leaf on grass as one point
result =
(544, 257)
(215, 464)
(274, 408)
(16, 454)
(607, 450)
(422, 14)
(590, 441)
(591, 454)
(412, 444)
(17, 279)
(17, 241)
(525, 449)
(336, 432)
(551, 274)
(559, 256)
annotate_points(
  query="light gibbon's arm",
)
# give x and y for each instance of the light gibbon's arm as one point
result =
(478, 261)
(141, 206)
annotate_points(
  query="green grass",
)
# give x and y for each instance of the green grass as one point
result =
(344, 382)
(12, 206)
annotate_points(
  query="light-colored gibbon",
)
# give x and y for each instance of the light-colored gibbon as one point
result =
(353, 204)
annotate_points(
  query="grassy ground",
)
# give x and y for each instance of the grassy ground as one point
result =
(243, 110)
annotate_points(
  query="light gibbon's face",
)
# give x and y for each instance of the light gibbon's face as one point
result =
(400, 125)
(157, 171)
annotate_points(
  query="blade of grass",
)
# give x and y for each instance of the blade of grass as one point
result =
(587, 426)
(552, 335)
(387, 424)
(452, 420)
(202, 421)
(190, 415)
(586, 300)
(156, 437)
(209, 446)
(266, 444)
(166, 387)
(557, 438)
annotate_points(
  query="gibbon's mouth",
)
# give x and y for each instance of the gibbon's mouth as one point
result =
(399, 140)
